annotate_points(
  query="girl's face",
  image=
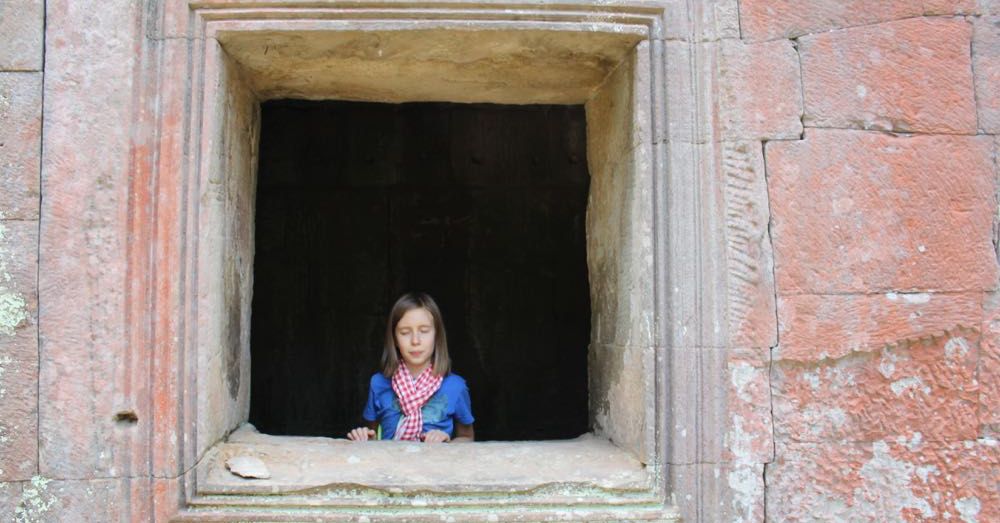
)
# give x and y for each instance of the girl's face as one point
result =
(415, 339)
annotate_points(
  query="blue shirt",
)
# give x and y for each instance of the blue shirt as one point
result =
(451, 402)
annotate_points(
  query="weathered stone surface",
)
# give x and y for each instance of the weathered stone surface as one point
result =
(706, 21)
(759, 90)
(866, 212)
(738, 497)
(750, 261)
(248, 467)
(10, 496)
(951, 7)
(18, 350)
(911, 75)
(20, 143)
(986, 64)
(926, 385)
(767, 19)
(820, 327)
(22, 26)
(748, 438)
(478, 64)
(85, 358)
(86, 500)
(168, 495)
(225, 252)
(684, 104)
(299, 462)
(726, 414)
(886, 480)
(989, 363)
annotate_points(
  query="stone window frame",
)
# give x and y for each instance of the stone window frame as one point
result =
(691, 282)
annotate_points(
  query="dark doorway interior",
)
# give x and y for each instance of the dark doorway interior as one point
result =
(482, 206)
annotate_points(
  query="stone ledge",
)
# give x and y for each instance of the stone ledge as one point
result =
(305, 465)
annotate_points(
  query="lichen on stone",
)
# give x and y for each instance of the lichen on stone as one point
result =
(13, 311)
(969, 509)
(35, 501)
(5, 362)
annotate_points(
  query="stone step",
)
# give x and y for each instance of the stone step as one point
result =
(204, 510)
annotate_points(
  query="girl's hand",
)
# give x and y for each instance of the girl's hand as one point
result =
(436, 436)
(361, 434)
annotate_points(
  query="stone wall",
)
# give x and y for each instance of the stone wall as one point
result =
(875, 123)
(858, 145)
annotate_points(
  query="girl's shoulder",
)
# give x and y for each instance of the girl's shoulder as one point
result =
(379, 381)
(453, 379)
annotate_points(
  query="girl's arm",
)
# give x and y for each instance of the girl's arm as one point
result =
(463, 433)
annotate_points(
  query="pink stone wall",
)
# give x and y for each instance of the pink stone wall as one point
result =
(873, 125)
(883, 380)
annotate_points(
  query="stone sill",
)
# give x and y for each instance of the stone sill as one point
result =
(301, 464)
(325, 479)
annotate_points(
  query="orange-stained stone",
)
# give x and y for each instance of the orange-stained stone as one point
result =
(951, 7)
(759, 86)
(902, 479)
(867, 212)
(989, 363)
(911, 75)
(767, 19)
(986, 64)
(90, 115)
(748, 437)
(20, 144)
(817, 327)
(750, 261)
(928, 386)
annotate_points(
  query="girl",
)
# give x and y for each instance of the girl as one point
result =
(418, 398)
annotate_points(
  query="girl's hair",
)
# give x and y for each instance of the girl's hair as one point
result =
(390, 353)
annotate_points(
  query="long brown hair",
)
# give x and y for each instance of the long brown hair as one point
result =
(406, 303)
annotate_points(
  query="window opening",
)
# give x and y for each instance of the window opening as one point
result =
(481, 205)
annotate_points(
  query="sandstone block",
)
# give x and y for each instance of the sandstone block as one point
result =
(820, 327)
(887, 480)
(729, 492)
(867, 212)
(927, 386)
(748, 438)
(759, 91)
(10, 496)
(911, 75)
(18, 350)
(19, 405)
(22, 25)
(88, 500)
(750, 264)
(90, 107)
(768, 19)
(989, 363)
(951, 7)
(20, 143)
(727, 407)
(986, 64)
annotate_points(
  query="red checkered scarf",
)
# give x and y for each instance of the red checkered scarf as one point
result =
(413, 394)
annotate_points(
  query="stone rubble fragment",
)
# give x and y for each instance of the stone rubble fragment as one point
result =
(248, 467)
